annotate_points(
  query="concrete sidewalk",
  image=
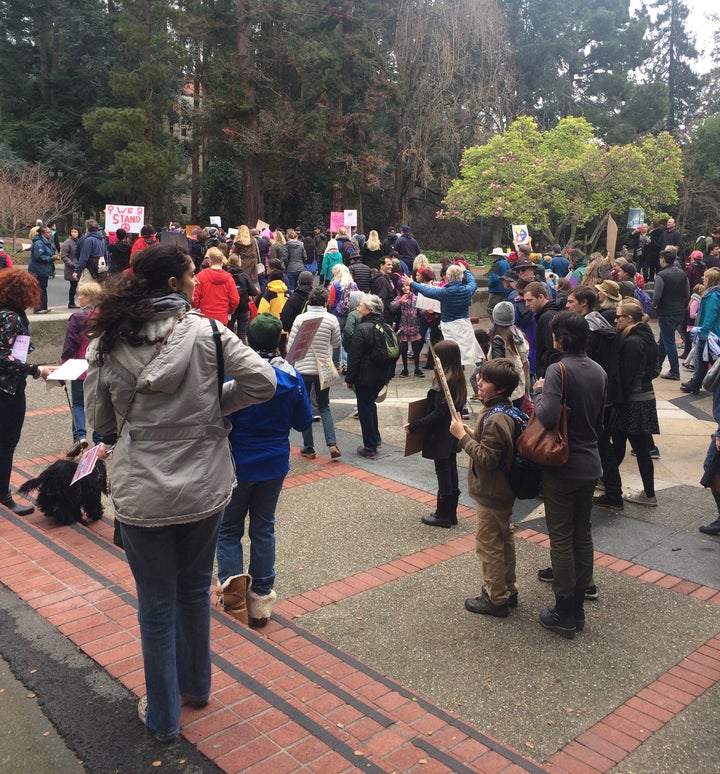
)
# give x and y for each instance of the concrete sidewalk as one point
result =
(372, 662)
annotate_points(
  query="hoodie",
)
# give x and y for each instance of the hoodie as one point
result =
(274, 298)
(216, 295)
(638, 362)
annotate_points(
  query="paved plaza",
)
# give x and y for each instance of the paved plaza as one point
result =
(371, 662)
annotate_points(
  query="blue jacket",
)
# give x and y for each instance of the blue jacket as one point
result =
(708, 316)
(560, 265)
(92, 246)
(259, 436)
(454, 297)
(42, 257)
(495, 283)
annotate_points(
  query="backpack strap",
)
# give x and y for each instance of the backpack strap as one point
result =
(219, 357)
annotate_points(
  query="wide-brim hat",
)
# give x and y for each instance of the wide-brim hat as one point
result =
(498, 251)
(610, 289)
(523, 263)
(510, 276)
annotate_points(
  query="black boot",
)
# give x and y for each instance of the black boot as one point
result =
(452, 508)
(441, 517)
(579, 609)
(20, 510)
(560, 617)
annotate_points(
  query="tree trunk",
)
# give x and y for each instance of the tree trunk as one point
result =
(496, 231)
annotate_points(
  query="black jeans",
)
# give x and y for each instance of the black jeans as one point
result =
(367, 414)
(43, 282)
(12, 416)
(447, 476)
(72, 291)
(416, 347)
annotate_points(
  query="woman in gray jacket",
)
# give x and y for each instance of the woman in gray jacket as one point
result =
(153, 381)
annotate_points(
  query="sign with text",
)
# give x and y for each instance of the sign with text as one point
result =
(635, 218)
(337, 219)
(131, 218)
(350, 217)
(303, 339)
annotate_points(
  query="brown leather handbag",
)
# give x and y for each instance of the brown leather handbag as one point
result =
(547, 447)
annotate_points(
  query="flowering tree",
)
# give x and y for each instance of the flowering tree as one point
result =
(563, 179)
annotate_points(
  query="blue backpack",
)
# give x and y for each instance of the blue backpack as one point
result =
(524, 476)
(644, 299)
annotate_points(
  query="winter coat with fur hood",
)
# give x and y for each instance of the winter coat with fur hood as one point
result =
(172, 462)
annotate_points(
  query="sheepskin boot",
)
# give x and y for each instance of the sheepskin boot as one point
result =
(233, 596)
(259, 608)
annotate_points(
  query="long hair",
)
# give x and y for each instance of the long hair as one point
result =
(341, 275)
(243, 236)
(279, 238)
(126, 303)
(448, 353)
(373, 241)
(505, 333)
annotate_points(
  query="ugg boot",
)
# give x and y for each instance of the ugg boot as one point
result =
(560, 617)
(441, 517)
(232, 596)
(260, 608)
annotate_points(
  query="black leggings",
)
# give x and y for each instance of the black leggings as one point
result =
(447, 476)
(416, 347)
(641, 445)
(12, 416)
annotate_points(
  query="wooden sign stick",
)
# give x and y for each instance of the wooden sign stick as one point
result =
(443, 383)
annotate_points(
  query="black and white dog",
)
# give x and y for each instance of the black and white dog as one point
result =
(64, 503)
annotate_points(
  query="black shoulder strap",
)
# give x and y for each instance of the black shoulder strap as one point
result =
(219, 357)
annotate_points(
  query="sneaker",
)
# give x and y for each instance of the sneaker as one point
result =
(484, 606)
(654, 453)
(609, 503)
(41, 311)
(77, 449)
(592, 593)
(142, 715)
(382, 394)
(670, 377)
(419, 372)
(689, 389)
(334, 451)
(404, 372)
(640, 498)
(308, 453)
(369, 454)
(317, 418)
(600, 486)
(546, 575)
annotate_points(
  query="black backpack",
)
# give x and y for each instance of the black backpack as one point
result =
(524, 476)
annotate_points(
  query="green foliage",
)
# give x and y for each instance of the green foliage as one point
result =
(221, 194)
(704, 152)
(563, 176)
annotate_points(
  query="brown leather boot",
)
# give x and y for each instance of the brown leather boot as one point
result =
(233, 596)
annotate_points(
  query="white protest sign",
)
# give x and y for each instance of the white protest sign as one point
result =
(131, 218)
(350, 218)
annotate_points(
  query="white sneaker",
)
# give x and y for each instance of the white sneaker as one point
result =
(640, 498)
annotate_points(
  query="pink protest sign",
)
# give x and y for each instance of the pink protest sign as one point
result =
(337, 219)
(131, 218)
(303, 339)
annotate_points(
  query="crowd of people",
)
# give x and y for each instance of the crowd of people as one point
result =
(243, 337)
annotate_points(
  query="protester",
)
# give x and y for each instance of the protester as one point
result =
(509, 342)
(261, 450)
(70, 257)
(409, 330)
(490, 446)
(19, 291)
(215, 293)
(568, 489)
(324, 342)
(42, 265)
(438, 444)
(153, 380)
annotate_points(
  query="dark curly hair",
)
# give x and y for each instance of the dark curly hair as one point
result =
(18, 290)
(126, 303)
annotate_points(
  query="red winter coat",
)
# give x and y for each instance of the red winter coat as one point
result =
(215, 294)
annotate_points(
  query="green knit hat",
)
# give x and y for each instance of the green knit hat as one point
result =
(264, 332)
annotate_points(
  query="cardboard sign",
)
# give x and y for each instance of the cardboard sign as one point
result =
(132, 219)
(414, 441)
(189, 231)
(87, 463)
(612, 234)
(261, 224)
(303, 339)
(216, 220)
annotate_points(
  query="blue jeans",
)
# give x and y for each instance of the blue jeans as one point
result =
(173, 567)
(666, 345)
(260, 499)
(292, 280)
(367, 414)
(77, 394)
(43, 282)
(312, 382)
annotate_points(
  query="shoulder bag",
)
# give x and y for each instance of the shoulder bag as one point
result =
(547, 447)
